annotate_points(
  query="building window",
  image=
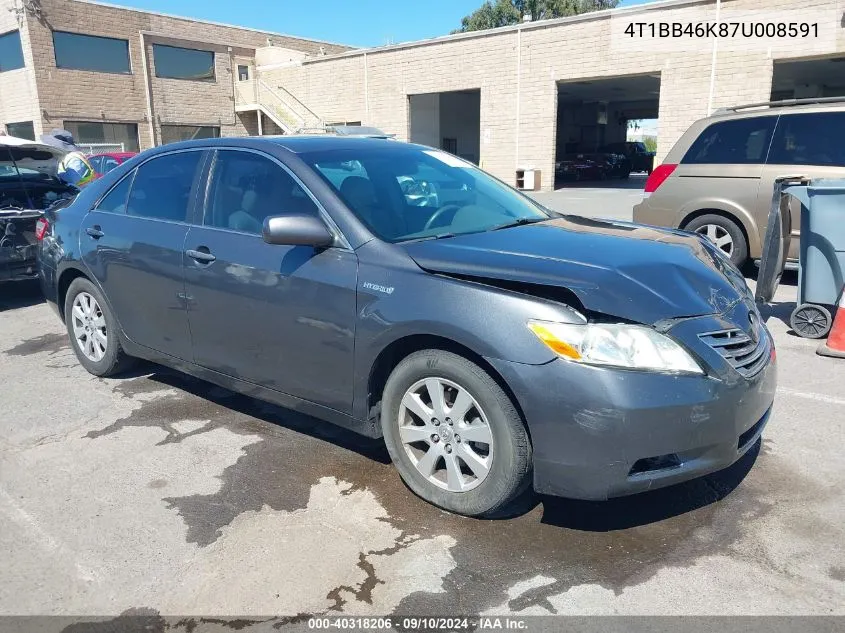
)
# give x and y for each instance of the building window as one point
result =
(24, 129)
(176, 133)
(11, 52)
(89, 52)
(243, 73)
(172, 62)
(109, 136)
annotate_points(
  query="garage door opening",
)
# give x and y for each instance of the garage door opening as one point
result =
(601, 130)
(450, 121)
(809, 79)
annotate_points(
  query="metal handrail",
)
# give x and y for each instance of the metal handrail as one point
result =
(783, 103)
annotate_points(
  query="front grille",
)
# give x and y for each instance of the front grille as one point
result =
(741, 352)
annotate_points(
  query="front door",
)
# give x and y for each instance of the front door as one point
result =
(133, 243)
(278, 316)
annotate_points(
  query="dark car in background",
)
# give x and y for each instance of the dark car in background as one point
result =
(104, 163)
(492, 343)
(639, 156)
(587, 166)
(28, 185)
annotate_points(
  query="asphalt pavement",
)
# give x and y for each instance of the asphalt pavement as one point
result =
(159, 493)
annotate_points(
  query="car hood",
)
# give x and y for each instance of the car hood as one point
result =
(628, 271)
(30, 154)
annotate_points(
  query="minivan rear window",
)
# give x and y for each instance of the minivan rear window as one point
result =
(809, 139)
(737, 142)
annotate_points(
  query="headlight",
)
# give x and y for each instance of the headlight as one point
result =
(617, 345)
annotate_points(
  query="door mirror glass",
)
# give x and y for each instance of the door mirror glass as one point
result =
(296, 230)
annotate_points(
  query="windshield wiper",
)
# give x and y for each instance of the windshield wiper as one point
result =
(519, 222)
(437, 236)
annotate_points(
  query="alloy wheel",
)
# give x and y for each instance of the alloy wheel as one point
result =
(89, 327)
(446, 434)
(719, 236)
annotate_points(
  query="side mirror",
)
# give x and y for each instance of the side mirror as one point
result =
(296, 230)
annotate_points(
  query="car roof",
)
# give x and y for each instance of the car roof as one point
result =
(298, 144)
(114, 154)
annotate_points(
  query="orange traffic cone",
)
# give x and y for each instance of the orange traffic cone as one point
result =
(835, 344)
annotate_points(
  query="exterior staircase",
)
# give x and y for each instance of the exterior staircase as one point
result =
(277, 104)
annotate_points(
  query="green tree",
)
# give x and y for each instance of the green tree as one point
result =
(650, 143)
(495, 13)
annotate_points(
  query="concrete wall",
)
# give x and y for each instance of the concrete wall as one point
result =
(517, 70)
(94, 96)
(18, 94)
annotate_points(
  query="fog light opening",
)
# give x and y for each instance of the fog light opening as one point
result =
(652, 464)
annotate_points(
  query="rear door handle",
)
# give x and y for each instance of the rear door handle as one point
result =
(202, 256)
(95, 232)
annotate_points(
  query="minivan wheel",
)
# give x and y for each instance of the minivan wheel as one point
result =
(724, 233)
(455, 436)
(92, 330)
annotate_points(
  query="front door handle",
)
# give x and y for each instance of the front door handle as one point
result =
(202, 256)
(94, 231)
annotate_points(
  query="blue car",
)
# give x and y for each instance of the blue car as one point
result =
(492, 343)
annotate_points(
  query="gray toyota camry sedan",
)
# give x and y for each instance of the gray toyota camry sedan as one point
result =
(403, 293)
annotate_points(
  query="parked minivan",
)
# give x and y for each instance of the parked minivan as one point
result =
(718, 178)
(492, 343)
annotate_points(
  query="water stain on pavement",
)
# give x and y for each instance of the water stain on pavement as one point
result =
(46, 343)
(614, 544)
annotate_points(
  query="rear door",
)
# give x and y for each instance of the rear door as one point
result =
(279, 316)
(806, 144)
(133, 243)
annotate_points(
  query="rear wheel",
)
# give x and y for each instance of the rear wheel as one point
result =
(93, 330)
(724, 233)
(454, 435)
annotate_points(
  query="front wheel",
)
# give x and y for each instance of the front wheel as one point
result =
(454, 435)
(92, 329)
(724, 233)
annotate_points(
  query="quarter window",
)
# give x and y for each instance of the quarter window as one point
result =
(115, 200)
(172, 62)
(737, 142)
(247, 188)
(809, 139)
(91, 52)
(162, 187)
(11, 52)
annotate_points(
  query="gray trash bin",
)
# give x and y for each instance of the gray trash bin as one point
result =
(822, 251)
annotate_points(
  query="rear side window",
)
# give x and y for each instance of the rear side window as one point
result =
(738, 142)
(809, 139)
(162, 187)
(247, 188)
(115, 200)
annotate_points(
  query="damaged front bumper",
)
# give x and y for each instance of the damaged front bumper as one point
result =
(601, 432)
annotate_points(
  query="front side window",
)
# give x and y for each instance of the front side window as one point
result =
(176, 133)
(11, 51)
(90, 52)
(109, 163)
(246, 188)
(24, 129)
(404, 193)
(172, 62)
(737, 142)
(809, 139)
(123, 136)
(115, 200)
(162, 187)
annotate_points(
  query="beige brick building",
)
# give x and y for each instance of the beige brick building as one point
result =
(510, 98)
(110, 102)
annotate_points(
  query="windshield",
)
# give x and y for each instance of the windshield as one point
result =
(403, 192)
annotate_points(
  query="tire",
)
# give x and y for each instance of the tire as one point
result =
(112, 360)
(491, 414)
(722, 227)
